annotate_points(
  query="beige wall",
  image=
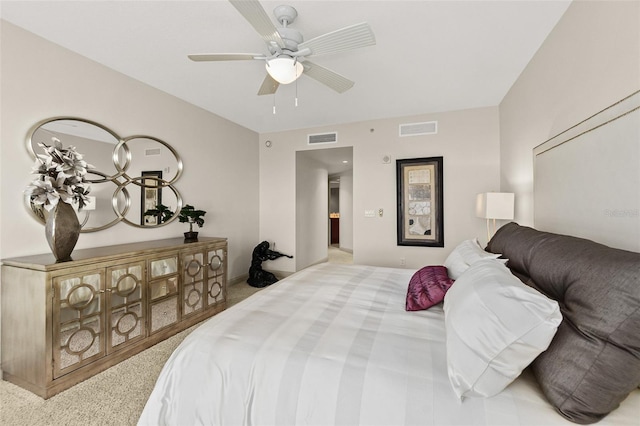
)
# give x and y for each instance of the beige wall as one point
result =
(589, 61)
(346, 211)
(312, 211)
(40, 80)
(469, 142)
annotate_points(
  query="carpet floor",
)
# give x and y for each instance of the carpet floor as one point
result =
(115, 396)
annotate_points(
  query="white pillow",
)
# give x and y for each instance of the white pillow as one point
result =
(464, 255)
(495, 327)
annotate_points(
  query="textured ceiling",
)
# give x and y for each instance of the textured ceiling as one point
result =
(429, 56)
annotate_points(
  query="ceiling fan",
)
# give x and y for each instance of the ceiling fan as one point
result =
(288, 52)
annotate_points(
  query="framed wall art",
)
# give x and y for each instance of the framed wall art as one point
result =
(420, 199)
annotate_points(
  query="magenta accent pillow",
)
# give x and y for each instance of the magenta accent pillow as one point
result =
(427, 287)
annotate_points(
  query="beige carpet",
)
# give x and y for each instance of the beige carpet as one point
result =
(115, 396)
(337, 255)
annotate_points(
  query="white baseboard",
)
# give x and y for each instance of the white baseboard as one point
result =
(325, 260)
(243, 278)
(280, 274)
(239, 279)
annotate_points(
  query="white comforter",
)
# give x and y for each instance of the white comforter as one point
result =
(333, 345)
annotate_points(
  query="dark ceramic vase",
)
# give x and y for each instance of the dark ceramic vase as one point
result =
(62, 229)
(190, 237)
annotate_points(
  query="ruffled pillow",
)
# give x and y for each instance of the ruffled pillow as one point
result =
(427, 287)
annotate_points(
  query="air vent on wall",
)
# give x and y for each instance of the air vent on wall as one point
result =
(322, 138)
(416, 129)
(151, 151)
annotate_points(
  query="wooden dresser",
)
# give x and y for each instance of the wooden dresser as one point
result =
(65, 322)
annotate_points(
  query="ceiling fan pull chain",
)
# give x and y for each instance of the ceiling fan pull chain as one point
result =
(296, 93)
(274, 104)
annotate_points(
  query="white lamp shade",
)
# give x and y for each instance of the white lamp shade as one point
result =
(284, 70)
(495, 205)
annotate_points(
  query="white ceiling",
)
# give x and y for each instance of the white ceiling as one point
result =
(429, 56)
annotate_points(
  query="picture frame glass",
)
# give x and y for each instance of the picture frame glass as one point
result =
(419, 192)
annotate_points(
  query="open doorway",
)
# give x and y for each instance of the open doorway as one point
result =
(341, 218)
(334, 210)
(313, 218)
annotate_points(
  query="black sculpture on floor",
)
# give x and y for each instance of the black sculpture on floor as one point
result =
(257, 276)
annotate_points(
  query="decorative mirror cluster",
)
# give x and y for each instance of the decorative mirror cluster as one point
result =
(131, 176)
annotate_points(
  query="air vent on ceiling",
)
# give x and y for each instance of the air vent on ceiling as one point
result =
(322, 138)
(416, 129)
(152, 151)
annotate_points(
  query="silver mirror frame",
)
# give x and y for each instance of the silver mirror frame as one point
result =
(122, 171)
(121, 179)
(122, 215)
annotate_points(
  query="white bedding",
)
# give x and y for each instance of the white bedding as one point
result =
(332, 344)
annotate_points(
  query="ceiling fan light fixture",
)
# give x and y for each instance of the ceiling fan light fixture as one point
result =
(284, 70)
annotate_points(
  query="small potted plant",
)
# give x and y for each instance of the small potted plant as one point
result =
(190, 215)
(162, 213)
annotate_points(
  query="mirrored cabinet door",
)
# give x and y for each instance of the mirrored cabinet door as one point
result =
(193, 276)
(162, 267)
(216, 276)
(163, 313)
(126, 304)
(163, 293)
(78, 319)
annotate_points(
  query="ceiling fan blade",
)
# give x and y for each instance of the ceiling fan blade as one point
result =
(269, 86)
(327, 77)
(353, 37)
(225, 57)
(255, 14)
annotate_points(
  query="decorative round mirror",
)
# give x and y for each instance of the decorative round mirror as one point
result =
(132, 179)
(149, 177)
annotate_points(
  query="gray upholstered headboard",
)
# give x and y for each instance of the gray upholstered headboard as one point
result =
(587, 178)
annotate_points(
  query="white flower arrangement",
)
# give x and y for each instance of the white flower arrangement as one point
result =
(62, 172)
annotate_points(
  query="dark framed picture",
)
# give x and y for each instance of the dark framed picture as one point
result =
(150, 196)
(420, 199)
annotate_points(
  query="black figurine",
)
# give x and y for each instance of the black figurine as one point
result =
(258, 277)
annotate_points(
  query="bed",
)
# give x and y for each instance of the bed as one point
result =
(537, 328)
(334, 344)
